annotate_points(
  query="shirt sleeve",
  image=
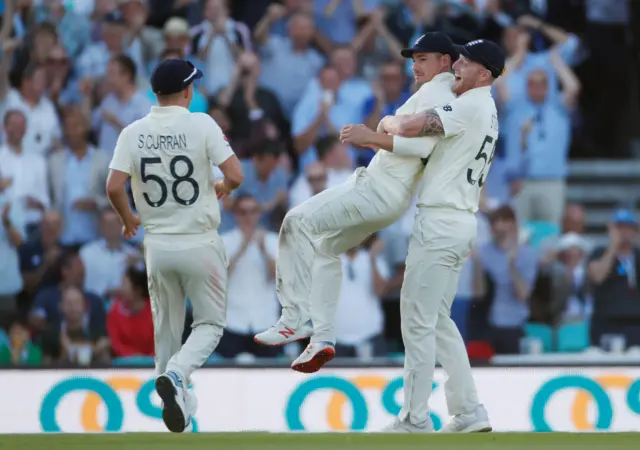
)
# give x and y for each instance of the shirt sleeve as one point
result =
(455, 116)
(121, 160)
(218, 147)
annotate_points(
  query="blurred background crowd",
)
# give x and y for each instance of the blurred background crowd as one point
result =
(556, 265)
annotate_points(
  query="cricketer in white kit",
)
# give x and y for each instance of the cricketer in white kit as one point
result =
(315, 233)
(444, 231)
(168, 155)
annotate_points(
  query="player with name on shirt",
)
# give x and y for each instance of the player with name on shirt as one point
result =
(168, 155)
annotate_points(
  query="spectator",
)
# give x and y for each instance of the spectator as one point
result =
(198, 102)
(329, 103)
(105, 260)
(504, 273)
(614, 273)
(73, 28)
(538, 140)
(248, 103)
(219, 40)
(177, 38)
(315, 181)
(19, 350)
(12, 234)
(46, 309)
(94, 60)
(76, 339)
(389, 94)
(123, 105)
(39, 255)
(334, 156)
(573, 222)
(521, 61)
(252, 307)
(265, 182)
(26, 172)
(360, 320)
(374, 44)
(129, 320)
(63, 89)
(288, 63)
(277, 18)
(143, 43)
(336, 19)
(43, 127)
(77, 179)
(567, 299)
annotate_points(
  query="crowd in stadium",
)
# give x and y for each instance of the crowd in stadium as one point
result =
(281, 80)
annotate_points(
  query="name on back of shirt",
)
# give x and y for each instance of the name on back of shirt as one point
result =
(162, 141)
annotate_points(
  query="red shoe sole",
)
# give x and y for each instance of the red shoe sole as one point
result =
(316, 363)
(276, 345)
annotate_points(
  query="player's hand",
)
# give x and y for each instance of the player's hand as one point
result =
(130, 226)
(222, 190)
(356, 135)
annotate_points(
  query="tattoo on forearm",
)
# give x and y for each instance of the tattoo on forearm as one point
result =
(432, 124)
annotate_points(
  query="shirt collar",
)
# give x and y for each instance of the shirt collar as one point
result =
(484, 90)
(443, 77)
(167, 110)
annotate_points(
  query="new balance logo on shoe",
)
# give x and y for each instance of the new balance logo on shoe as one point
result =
(287, 332)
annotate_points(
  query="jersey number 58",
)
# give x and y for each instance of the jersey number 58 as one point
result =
(482, 155)
(186, 178)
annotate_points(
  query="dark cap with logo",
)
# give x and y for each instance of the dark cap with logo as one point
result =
(173, 75)
(434, 42)
(486, 53)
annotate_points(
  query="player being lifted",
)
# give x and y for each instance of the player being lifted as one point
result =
(317, 232)
(443, 235)
(169, 155)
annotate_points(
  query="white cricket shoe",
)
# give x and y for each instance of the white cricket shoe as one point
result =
(279, 334)
(315, 356)
(170, 388)
(404, 426)
(474, 422)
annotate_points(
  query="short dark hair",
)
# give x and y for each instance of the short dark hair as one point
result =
(137, 275)
(504, 212)
(270, 148)
(127, 64)
(325, 144)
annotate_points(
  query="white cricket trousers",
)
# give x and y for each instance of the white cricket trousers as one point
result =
(181, 267)
(315, 234)
(440, 241)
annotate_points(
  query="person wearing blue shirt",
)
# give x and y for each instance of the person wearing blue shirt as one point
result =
(538, 136)
(336, 19)
(333, 101)
(390, 94)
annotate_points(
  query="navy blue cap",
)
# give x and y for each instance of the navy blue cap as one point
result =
(486, 53)
(434, 42)
(624, 216)
(173, 75)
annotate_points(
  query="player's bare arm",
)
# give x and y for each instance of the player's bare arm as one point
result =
(232, 171)
(427, 123)
(362, 136)
(116, 182)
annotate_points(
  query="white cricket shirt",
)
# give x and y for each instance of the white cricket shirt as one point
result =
(460, 161)
(407, 169)
(168, 155)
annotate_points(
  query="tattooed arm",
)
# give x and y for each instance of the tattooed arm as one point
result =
(427, 123)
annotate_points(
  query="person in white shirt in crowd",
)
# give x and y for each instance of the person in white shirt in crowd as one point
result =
(334, 156)
(43, 127)
(26, 172)
(252, 303)
(219, 39)
(76, 177)
(105, 260)
(360, 320)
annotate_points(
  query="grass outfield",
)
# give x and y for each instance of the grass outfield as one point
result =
(262, 441)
